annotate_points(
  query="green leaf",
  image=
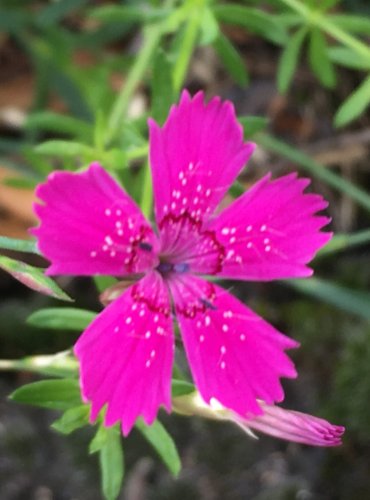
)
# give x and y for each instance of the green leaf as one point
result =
(163, 443)
(55, 394)
(28, 246)
(72, 419)
(253, 124)
(181, 387)
(289, 59)
(32, 277)
(254, 20)
(163, 93)
(348, 58)
(61, 318)
(63, 148)
(354, 105)
(315, 169)
(60, 124)
(231, 59)
(352, 301)
(98, 440)
(352, 23)
(209, 28)
(319, 59)
(111, 463)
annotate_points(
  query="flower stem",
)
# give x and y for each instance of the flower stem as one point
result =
(187, 47)
(152, 35)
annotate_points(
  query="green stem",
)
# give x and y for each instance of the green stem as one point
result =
(152, 35)
(316, 169)
(187, 47)
(323, 21)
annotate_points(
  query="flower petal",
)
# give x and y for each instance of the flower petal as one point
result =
(294, 426)
(235, 357)
(89, 225)
(195, 157)
(126, 355)
(270, 232)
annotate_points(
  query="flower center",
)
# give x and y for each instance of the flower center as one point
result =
(165, 268)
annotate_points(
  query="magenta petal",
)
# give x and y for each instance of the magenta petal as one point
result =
(126, 355)
(89, 225)
(195, 157)
(295, 426)
(235, 356)
(271, 231)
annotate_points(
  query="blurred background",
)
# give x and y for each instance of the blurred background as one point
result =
(61, 68)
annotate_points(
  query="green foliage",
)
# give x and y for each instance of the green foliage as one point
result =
(57, 318)
(96, 124)
(55, 394)
(32, 277)
(289, 60)
(351, 301)
(107, 442)
(72, 419)
(163, 443)
(231, 59)
(27, 246)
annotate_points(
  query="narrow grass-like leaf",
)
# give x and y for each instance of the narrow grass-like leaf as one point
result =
(163, 443)
(289, 60)
(208, 28)
(345, 299)
(27, 246)
(348, 58)
(72, 419)
(62, 148)
(60, 124)
(55, 394)
(253, 19)
(352, 23)
(163, 94)
(343, 241)
(111, 463)
(61, 318)
(32, 277)
(354, 105)
(231, 59)
(319, 59)
(301, 160)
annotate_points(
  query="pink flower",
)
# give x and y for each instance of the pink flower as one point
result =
(275, 421)
(90, 226)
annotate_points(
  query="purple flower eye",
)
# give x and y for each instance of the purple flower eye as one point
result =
(89, 225)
